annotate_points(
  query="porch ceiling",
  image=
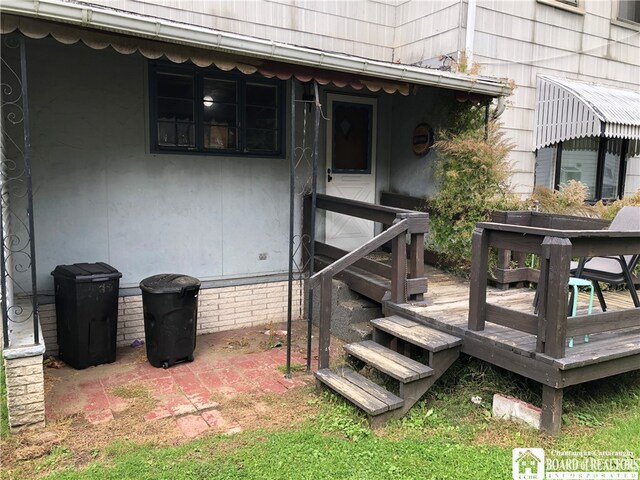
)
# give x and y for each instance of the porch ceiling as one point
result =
(154, 37)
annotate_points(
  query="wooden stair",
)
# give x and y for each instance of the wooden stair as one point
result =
(396, 342)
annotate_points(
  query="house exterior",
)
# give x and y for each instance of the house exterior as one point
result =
(161, 136)
(158, 142)
(592, 42)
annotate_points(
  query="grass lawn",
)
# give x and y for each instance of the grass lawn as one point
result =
(445, 436)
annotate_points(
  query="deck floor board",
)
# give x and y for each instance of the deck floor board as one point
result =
(446, 306)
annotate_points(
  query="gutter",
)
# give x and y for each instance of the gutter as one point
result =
(103, 18)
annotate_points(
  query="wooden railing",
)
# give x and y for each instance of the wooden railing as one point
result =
(407, 276)
(555, 249)
(511, 266)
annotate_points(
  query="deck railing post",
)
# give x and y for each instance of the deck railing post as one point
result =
(324, 334)
(503, 264)
(556, 253)
(478, 287)
(399, 269)
(416, 262)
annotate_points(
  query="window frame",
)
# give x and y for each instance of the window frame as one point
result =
(199, 74)
(619, 21)
(600, 166)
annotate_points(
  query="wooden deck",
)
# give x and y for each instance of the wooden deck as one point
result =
(499, 326)
(446, 307)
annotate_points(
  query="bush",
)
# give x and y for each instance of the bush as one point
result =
(474, 172)
(571, 199)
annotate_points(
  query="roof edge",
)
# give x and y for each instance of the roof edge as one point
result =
(105, 18)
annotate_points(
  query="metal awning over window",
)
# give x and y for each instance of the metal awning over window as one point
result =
(568, 109)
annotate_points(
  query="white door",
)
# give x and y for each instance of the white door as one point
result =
(351, 165)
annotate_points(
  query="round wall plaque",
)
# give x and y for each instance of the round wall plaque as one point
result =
(422, 139)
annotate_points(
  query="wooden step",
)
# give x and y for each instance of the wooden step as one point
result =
(387, 361)
(426, 337)
(370, 397)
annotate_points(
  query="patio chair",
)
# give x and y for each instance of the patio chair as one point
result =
(614, 270)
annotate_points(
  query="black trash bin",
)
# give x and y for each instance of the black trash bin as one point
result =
(86, 313)
(170, 305)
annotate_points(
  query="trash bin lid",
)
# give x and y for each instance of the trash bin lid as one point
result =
(87, 272)
(168, 283)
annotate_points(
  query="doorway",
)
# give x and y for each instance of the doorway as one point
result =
(351, 165)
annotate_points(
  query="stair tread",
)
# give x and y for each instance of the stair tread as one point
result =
(387, 361)
(416, 333)
(393, 401)
(350, 387)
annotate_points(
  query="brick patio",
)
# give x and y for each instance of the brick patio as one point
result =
(226, 364)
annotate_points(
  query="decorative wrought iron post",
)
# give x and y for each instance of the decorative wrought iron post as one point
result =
(17, 255)
(303, 182)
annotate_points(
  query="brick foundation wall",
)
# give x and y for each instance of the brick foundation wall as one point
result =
(221, 308)
(25, 392)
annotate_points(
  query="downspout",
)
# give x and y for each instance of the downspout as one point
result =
(471, 31)
(459, 46)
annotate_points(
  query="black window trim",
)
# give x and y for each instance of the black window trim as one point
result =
(199, 74)
(602, 149)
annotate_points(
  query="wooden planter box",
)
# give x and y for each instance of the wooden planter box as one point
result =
(548, 220)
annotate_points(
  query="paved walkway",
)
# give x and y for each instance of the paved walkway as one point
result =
(226, 364)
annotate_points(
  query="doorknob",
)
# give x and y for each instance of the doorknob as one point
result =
(329, 177)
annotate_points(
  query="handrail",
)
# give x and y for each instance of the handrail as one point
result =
(404, 282)
(360, 252)
(355, 208)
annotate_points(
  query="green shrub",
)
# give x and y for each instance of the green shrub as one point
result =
(473, 171)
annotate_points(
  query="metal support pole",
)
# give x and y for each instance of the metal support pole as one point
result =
(292, 178)
(312, 239)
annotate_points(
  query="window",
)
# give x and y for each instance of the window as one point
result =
(209, 112)
(629, 10)
(599, 163)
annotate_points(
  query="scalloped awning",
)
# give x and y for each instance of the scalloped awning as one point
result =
(568, 109)
(152, 49)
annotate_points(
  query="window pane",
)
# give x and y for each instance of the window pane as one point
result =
(169, 109)
(580, 162)
(265, 95)
(175, 110)
(219, 91)
(351, 123)
(174, 134)
(262, 140)
(220, 137)
(262, 117)
(220, 99)
(220, 114)
(546, 166)
(611, 170)
(629, 10)
(175, 86)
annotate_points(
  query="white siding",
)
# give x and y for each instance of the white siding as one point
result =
(523, 39)
(360, 27)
